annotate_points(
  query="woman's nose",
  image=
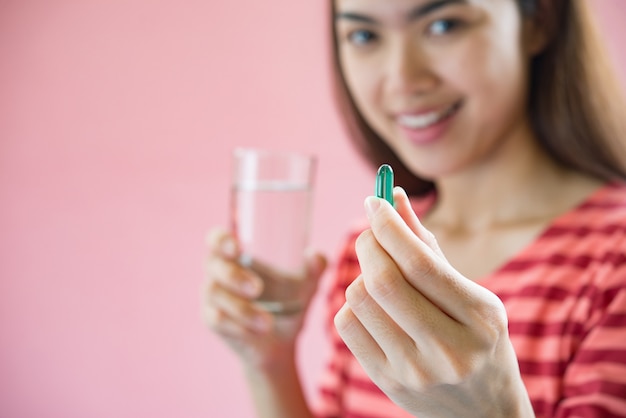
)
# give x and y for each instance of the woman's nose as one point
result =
(408, 69)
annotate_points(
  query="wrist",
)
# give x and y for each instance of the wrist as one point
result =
(520, 405)
(515, 402)
(276, 390)
(279, 361)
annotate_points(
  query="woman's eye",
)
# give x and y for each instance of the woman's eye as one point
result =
(443, 26)
(361, 37)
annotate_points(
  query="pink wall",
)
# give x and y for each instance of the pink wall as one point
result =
(116, 122)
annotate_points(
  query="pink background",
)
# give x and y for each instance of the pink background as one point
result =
(117, 118)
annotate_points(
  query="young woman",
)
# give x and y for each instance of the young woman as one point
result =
(499, 288)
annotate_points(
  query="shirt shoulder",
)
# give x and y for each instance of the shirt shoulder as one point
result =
(595, 231)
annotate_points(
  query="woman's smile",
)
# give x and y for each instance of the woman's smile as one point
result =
(427, 126)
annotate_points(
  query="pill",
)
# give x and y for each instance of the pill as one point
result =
(384, 183)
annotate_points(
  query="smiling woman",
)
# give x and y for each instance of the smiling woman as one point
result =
(498, 290)
(569, 91)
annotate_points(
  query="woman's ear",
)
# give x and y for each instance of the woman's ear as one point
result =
(536, 36)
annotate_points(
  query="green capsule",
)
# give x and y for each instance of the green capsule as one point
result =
(384, 183)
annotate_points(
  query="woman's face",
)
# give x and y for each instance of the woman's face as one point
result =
(443, 82)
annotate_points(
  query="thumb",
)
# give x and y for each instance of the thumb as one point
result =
(315, 264)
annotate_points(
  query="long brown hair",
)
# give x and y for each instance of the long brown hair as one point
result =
(574, 104)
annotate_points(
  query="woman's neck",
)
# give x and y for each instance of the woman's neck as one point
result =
(518, 183)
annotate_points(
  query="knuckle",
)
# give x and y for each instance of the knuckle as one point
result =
(492, 320)
(240, 310)
(390, 384)
(461, 370)
(426, 266)
(364, 241)
(228, 271)
(213, 237)
(431, 240)
(213, 317)
(211, 288)
(342, 321)
(496, 315)
(416, 377)
(387, 384)
(356, 293)
(220, 270)
(213, 267)
(216, 240)
(382, 223)
(382, 286)
(231, 304)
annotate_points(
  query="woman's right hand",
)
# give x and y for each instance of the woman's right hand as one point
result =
(229, 309)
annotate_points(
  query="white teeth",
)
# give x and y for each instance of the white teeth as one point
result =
(417, 122)
(425, 120)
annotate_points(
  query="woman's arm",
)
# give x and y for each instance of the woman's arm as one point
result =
(277, 392)
(265, 343)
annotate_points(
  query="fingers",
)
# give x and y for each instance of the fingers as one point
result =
(231, 314)
(233, 277)
(385, 330)
(419, 264)
(392, 294)
(230, 289)
(222, 324)
(358, 339)
(380, 345)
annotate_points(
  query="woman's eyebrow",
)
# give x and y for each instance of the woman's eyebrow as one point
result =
(431, 7)
(416, 13)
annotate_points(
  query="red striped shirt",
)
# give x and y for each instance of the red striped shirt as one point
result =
(565, 296)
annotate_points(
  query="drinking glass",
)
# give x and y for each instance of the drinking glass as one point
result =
(271, 214)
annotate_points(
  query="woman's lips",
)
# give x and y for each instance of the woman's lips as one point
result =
(426, 127)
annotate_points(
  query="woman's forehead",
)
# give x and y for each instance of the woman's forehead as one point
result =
(405, 6)
(397, 12)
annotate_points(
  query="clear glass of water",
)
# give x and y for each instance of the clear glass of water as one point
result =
(271, 215)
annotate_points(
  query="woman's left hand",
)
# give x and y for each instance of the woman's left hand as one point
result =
(435, 342)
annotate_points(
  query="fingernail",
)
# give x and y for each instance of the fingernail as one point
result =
(372, 203)
(229, 248)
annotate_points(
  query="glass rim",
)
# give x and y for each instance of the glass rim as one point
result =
(267, 152)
